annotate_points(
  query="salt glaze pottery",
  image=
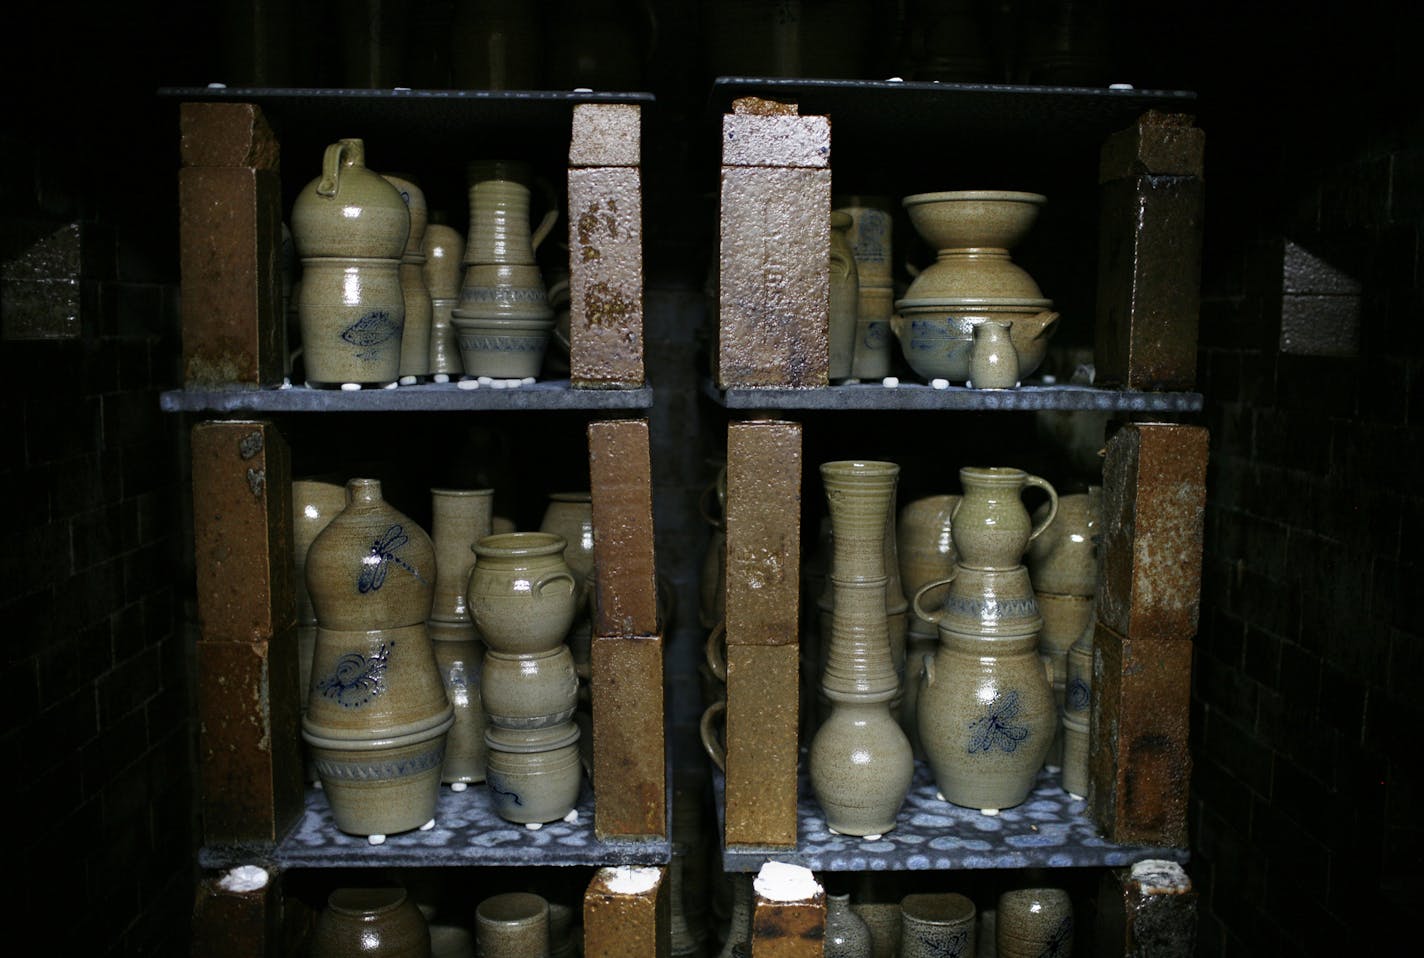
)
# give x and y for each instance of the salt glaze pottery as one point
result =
(869, 235)
(499, 195)
(974, 219)
(926, 551)
(349, 210)
(1064, 618)
(414, 198)
(381, 786)
(1064, 559)
(873, 337)
(504, 290)
(444, 344)
(501, 348)
(985, 602)
(1033, 922)
(570, 514)
(937, 335)
(991, 526)
(987, 718)
(444, 250)
(378, 922)
(844, 298)
(460, 660)
(419, 317)
(314, 504)
(534, 775)
(459, 519)
(846, 934)
(521, 593)
(352, 317)
(1075, 757)
(371, 567)
(374, 684)
(993, 362)
(531, 690)
(513, 925)
(860, 760)
(937, 924)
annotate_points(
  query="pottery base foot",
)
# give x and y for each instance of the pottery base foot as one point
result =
(428, 825)
(1076, 798)
(989, 811)
(571, 817)
(533, 826)
(376, 839)
(871, 838)
(458, 786)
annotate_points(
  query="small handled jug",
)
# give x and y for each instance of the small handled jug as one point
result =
(990, 527)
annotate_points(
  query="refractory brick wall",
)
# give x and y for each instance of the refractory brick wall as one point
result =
(1306, 800)
(97, 734)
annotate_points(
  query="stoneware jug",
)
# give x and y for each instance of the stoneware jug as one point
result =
(414, 198)
(844, 298)
(314, 504)
(372, 567)
(846, 934)
(991, 527)
(570, 514)
(349, 210)
(987, 718)
(444, 250)
(521, 593)
(994, 364)
(378, 922)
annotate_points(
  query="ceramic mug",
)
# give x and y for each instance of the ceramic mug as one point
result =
(935, 924)
(512, 925)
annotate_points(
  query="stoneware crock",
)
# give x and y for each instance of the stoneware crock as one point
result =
(379, 922)
(534, 775)
(934, 924)
(513, 925)
(521, 593)
(530, 690)
(1033, 922)
(351, 312)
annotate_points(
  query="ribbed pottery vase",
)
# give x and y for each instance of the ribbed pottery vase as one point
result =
(860, 759)
(459, 519)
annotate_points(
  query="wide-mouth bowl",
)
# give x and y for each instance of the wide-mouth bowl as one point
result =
(958, 219)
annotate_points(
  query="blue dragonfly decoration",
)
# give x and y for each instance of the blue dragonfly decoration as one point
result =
(376, 562)
(995, 728)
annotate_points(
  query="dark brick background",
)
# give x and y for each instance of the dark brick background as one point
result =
(1305, 834)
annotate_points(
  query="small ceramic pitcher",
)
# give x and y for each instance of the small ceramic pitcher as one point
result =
(994, 364)
(991, 527)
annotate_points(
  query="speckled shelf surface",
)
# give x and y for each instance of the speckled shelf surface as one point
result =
(423, 397)
(872, 396)
(467, 832)
(1050, 829)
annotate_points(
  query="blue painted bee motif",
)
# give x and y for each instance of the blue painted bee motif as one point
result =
(356, 679)
(995, 728)
(376, 563)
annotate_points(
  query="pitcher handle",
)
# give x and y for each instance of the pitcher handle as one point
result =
(714, 748)
(550, 218)
(331, 169)
(1052, 504)
(930, 617)
(716, 661)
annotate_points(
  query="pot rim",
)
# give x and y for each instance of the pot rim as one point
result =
(403, 736)
(505, 545)
(975, 196)
(977, 303)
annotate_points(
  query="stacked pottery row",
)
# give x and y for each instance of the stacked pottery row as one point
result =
(522, 597)
(378, 716)
(985, 711)
(503, 319)
(350, 227)
(314, 505)
(1064, 568)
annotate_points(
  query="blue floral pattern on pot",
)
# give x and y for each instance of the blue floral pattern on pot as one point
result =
(995, 728)
(356, 679)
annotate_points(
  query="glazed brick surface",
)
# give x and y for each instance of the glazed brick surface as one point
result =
(628, 746)
(230, 237)
(242, 531)
(763, 533)
(249, 757)
(788, 929)
(1159, 144)
(620, 471)
(236, 924)
(1154, 507)
(777, 140)
(774, 280)
(617, 923)
(606, 277)
(226, 134)
(762, 682)
(606, 134)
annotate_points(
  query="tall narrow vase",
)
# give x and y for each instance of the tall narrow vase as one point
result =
(860, 760)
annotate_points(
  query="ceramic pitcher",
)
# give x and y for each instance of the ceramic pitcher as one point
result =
(991, 527)
(994, 363)
(499, 193)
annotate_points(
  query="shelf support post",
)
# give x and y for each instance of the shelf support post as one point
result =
(627, 911)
